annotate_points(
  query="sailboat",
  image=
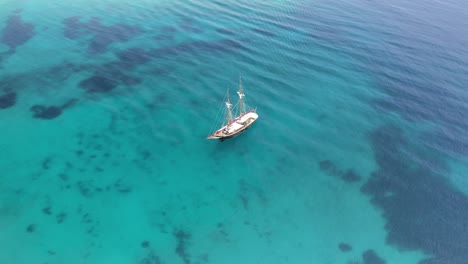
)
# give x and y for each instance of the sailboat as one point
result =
(233, 126)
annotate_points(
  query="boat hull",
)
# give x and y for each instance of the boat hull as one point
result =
(236, 134)
(236, 127)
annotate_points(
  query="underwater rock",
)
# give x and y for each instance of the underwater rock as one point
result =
(182, 239)
(244, 200)
(46, 112)
(46, 163)
(7, 100)
(329, 167)
(122, 188)
(145, 244)
(370, 257)
(84, 188)
(145, 154)
(46, 210)
(151, 258)
(51, 112)
(61, 217)
(350, 176)
(31, 228)
(344, 247)
(63, 177)
(69, 103)
(109, 75)
(17, 32)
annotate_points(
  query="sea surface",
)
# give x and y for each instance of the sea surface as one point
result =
(359, 155)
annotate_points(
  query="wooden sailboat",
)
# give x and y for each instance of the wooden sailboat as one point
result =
(233, 126)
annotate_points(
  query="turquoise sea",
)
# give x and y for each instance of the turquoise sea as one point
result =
(359, 155)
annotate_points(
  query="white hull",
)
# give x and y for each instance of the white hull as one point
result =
(237, 126)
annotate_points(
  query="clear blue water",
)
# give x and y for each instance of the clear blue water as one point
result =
(359, 154)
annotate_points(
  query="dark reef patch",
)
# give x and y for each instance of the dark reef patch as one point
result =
(47, 210)
(103, 35)
(248, 192)
(46, 112)
(243, 193)
(108, 76)
(51, 112)
(31, 228)
(68, 104)
(119, 187)
(46, 163)
(350, 176)
(133, 57)
(422, 209)
(17, 32)
(64, 177)
(86, 219)
(151, 258)
(370, 257)
(98, 84)
(331, 169)
(84, 188)
(145, 154)
(72, 29)
(145, 244)
(344, 247)
(61, 217)
(7, 100)
(183, 239)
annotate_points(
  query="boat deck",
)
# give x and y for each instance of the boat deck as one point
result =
(237, 126)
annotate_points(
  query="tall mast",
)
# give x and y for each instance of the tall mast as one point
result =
(228, 106)
(241, 96)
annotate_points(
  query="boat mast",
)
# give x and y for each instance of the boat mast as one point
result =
(241, 96)
(228, 106)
